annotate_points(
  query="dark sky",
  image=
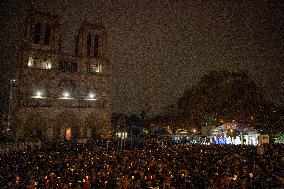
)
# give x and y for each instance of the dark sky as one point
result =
(158, 48)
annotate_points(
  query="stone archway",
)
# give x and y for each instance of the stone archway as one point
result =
(98, 125)
(92, 124)
(66, 123)
(34, 126)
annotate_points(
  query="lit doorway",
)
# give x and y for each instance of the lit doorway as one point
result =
(68, 134)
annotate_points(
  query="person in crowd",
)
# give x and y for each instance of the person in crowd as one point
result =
(147, 165)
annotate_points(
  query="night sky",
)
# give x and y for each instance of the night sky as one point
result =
(158, 48)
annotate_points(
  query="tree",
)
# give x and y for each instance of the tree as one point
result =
(118, 120)
(142, 115)
(222, 96)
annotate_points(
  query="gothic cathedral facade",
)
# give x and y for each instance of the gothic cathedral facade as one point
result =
(59, 95)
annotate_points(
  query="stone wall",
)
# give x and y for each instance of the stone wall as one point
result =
(51, 122)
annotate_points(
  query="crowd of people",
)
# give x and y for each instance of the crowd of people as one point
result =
(147, 164)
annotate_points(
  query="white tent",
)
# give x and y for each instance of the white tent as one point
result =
(234, 133)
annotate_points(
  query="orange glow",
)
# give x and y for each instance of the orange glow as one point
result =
(68, 134)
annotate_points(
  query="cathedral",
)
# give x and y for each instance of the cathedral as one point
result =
(59, 95)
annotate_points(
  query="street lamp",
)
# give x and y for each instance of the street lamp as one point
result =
(91, 95)
(66, 94)
(38, 93)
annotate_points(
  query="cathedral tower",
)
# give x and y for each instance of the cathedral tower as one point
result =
(61, 95)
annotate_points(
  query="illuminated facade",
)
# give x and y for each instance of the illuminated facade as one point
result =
(61, 95)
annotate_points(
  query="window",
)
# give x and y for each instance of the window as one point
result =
(30, 62)
(47, 65)
(47, 34)
(34, 63)
(96, 46)
(89, 43)
(95, 68)
(37, 33)
(68, 66)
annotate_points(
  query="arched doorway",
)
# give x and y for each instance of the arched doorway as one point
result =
(66, 126)
(68, 133)
(34, 127)
(92, 125)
